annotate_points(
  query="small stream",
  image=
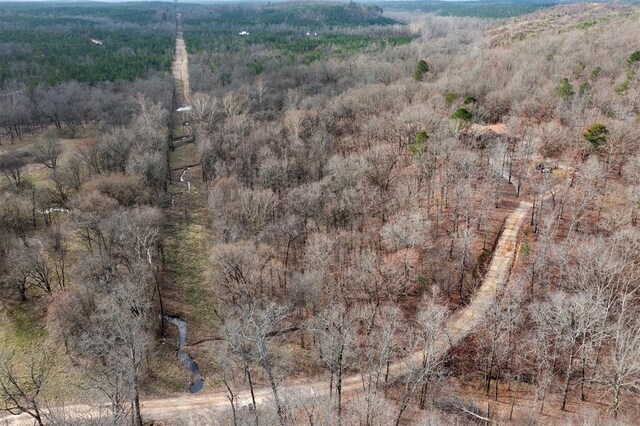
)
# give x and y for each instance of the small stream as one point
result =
(182, 179)
(185, 359)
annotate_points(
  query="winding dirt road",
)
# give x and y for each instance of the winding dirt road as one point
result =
(459, 325)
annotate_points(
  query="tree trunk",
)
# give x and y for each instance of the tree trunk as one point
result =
(423, 393)
(425, 385)
(513, 402)
(386, 376)
(582, 378)
(232, 398)
(616, 402)
(490, 370)
(565, 392)
(274, 389)
(253, 395)
(339, 382)
(136, 403)
(161, 303)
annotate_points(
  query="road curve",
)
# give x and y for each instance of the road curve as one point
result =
(459, 325)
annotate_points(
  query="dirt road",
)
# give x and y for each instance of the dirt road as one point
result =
(180, 67)
(461, 323)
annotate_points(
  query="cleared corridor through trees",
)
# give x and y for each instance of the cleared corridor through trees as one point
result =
(180, 67)
(179, 123)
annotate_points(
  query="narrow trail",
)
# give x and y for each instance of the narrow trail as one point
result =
(180, 68)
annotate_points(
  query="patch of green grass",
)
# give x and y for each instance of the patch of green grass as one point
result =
(21, 329)
(165, 374)
(183, 156)
(23, 335)
(187, 258)
(586, 24)
(179, 131)
(189, 292)
(623, 87)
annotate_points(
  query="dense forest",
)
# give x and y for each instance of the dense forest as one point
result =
(480, 9)
(343, 213)
(90, 43)
(279, 38)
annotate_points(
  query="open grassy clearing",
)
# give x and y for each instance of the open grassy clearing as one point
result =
(22, 326)
(186, 261)
(184, 156)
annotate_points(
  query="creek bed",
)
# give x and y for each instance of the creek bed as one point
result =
(185, 359)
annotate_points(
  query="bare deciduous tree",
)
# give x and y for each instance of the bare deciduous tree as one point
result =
(250, 335)
(25, 392)
(335, 334)
(47, 150)
(11, 164)
(621, 375)
(573, 322)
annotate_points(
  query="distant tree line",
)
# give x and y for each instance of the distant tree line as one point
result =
(313, 15)
(480, 9)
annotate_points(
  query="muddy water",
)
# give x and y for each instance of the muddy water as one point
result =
(185, 359)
